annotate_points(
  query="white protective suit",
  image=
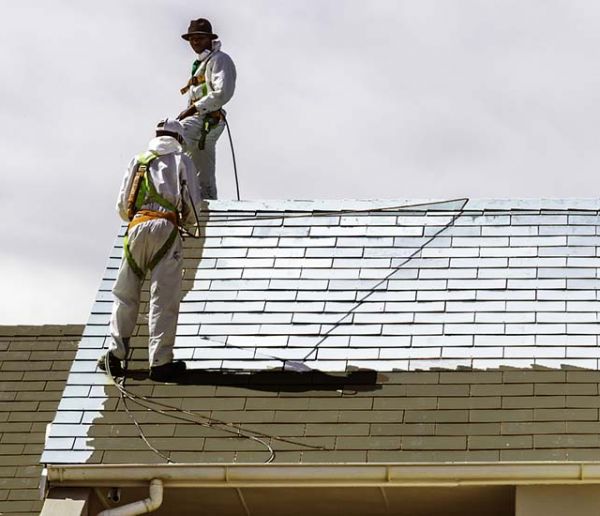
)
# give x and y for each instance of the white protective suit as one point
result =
(211, 87)
(167, 171)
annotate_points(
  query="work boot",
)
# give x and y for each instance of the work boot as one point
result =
(114, 364)
(169, 372)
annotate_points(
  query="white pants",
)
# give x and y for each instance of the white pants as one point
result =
(145, 240)
(204, 159)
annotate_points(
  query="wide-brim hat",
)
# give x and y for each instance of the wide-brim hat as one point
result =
(199, 26)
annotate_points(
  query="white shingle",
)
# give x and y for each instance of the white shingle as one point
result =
(313, 263)
(380, 341)
(479, 263)
(444, 317)
(274, 253)
(503, 284)
(272, 273)
(567, 251)
(477, 284)
(506, 317)
(517, 272)
(508, 295)
(509, 251)
(568, 230)
(511, 230)
(442, 341)
(573, 295)
(472, 352)
(448, 273)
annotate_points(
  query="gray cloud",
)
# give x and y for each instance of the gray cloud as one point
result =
(335, 99)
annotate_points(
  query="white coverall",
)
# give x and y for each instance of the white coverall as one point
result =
(167, 172)
(216, 76)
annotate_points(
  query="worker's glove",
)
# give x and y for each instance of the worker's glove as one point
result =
(187, 112)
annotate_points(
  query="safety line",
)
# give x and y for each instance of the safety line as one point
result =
(226, 217)
(386, 278)
(208, 422)
(236, 430)
(373, 289)
(235, 172)
(402, 207)
(123, 394)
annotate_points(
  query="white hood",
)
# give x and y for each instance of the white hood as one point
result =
(162, 145)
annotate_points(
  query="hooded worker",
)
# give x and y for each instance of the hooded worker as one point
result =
(158, 194)
(209, 88)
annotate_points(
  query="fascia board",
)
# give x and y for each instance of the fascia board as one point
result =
(327, 475)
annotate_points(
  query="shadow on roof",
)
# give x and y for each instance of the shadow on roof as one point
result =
(363, 380)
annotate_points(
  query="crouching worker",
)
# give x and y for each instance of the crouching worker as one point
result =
(158, 194)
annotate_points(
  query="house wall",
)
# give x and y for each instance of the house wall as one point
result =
(34, 364)
(558, 501)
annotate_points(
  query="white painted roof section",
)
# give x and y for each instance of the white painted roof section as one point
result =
(396, 284)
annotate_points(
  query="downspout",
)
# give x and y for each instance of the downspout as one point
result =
(149, 504)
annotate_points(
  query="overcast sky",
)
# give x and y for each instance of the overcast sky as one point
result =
(335, 99)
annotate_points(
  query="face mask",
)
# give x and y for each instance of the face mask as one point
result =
(204, 54)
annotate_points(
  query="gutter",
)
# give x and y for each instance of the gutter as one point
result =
(326, 475)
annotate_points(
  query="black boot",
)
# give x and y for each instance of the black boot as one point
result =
(170, 372)
(114, 364)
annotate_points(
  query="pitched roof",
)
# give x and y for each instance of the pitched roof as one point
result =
(34, 364)
(402, 288)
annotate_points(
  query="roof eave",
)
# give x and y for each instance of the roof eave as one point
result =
(326, 475)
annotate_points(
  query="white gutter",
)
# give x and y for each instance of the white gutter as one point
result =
(330, 475)
(149, 504)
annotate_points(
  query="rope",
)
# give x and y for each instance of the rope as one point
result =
(230, 428)
(191, 417)
(373, 289)
(385, 209)
(235, 172)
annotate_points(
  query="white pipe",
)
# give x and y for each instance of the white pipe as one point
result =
(149, 504)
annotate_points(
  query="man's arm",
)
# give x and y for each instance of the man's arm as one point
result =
(222, 79)
(124, 191)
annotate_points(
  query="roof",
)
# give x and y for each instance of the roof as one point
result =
(441, 330)
(34, 364)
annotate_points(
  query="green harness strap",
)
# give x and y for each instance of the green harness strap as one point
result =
(164, 249)
(147, 189)
(148, 192)
(134, 266)
(155, 259)
(195, 65)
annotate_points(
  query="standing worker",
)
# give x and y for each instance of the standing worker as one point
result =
(209, 88)
(159, 192)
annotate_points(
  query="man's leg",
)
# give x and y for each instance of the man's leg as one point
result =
(125, 309)
(204, 159)
(208, 162)
(165, 295)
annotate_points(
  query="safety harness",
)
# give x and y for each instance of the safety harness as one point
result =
(143, 191)
(212, 119)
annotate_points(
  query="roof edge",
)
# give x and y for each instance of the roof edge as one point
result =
(41, 330)
(421, 204)
(330, 475)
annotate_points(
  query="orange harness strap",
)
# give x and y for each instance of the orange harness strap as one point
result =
(146, 215)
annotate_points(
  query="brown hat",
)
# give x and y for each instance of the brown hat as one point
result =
(199, 26)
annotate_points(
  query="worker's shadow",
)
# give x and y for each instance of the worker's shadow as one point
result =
(193, 250)
(360, 380)
(263, 380)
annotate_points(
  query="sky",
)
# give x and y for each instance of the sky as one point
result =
(335, 99)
